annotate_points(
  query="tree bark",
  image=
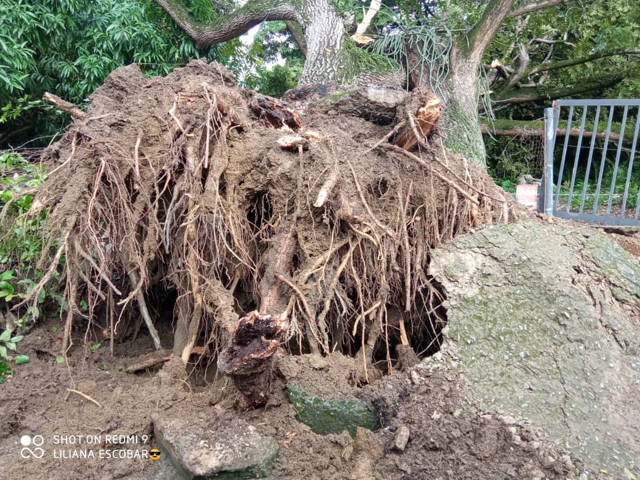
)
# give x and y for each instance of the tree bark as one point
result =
(543, 92)
(534, 7)
(231, 25)
(324, 35)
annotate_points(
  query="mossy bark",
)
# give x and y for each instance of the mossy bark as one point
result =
(461, 130)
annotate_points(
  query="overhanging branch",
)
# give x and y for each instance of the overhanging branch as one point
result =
(231, 25)
(297, 33)
(540, 92)
(533, 7)
(483, 32)
(534, 129)
(577, 61)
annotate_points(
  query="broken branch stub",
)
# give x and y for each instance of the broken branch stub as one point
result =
(249, 359)
(426, 119)
(63, 105)
(275, 115)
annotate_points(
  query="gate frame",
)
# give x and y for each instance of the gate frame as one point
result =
(548, 205)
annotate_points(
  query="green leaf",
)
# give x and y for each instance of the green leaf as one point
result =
(17, 338)
(60, 359)
(3, 352)
(5, 336)
(7, 275)
(4, 370)
(10, 346)
(54, 329)
(20, 359)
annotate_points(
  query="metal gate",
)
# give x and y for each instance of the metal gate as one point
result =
(596, 178)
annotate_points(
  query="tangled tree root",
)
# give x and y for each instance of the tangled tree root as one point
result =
(177, 184)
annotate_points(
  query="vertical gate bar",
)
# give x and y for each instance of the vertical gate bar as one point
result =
(619, 150)
(550, 129)
(564, 153)
(630, 167)
(577, 156)
(596, 200)
(592, 144)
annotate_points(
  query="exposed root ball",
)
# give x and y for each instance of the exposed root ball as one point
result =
(175, 185)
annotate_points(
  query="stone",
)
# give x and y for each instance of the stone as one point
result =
(544, 320)
(215, 445)
(401, 438)
(332, 415)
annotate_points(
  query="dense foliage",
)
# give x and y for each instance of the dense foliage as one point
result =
(22, 238)
(68, 47)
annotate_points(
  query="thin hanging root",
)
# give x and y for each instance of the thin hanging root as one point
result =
(112, 334)
(444, 153)
(330, 293)
(66, 337)
(327, 187)
(322, 259)
(386, 137)
(375, 332)
(192, 264)
(403, 333)
(305, 305)
(17, 196)
(386, 229)
(51, 270)
(433, 170)
(100, 271)
(407, 248)
(63, 164)
(363, 316)
(142, 305)
(172, 112)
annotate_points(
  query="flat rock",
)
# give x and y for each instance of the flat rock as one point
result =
(544, 321)
(401, 438)
(215, 445)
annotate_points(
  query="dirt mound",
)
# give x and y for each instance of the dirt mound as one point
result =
(173, 200)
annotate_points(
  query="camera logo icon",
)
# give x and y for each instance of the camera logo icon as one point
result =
(27, 442)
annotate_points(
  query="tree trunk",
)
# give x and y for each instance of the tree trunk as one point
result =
(324, 35)
(459, 126)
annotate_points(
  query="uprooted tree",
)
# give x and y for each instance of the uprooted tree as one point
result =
(187, 195)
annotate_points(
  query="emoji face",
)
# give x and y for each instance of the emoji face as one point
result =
(154, 454)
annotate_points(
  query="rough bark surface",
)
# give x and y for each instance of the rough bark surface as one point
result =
(545, 320)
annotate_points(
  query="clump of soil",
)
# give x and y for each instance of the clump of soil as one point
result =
(172, 197)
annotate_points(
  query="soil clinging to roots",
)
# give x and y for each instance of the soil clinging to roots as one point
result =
(178, 185)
